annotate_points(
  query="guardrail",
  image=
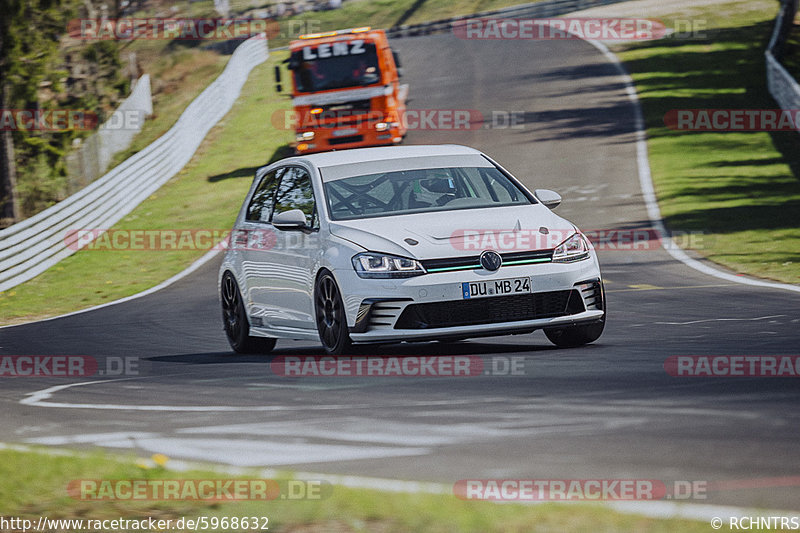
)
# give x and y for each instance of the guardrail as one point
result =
(30, 247)
(782, 85)
(92, 159)
(547, 8)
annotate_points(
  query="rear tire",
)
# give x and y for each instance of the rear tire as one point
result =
(234, 319)
(331, 317)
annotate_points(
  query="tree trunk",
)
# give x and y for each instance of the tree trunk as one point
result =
(9, 201)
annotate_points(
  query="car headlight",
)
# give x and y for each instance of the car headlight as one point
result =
(373, 265)
(573, 249)
(305, 136)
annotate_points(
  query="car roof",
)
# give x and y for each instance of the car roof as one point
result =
(366, 155)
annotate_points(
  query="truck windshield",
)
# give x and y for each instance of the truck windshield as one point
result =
(335, 66)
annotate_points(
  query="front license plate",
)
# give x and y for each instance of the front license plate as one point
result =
(344, 132)
(497, 287)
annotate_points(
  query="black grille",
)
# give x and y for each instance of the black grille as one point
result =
(345, 109)
(490, 310)
(337, 115)
(475, 261)
(592, 293)
(454, 262)
(345, 140)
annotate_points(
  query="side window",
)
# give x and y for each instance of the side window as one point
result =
(260, 208)
(296, 192)
(500, 191)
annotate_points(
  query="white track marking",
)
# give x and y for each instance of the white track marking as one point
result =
(238, 452)
(365, 430)
(39, 399)
(718, 320)
(98, 439)
(604, 411)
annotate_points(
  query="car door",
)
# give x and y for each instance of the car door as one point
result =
(253, 239)
(289, 285)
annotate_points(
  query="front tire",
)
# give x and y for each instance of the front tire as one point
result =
(574, 336)
(331, 318)
(234, 319)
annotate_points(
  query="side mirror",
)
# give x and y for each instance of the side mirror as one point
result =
(292, 220)
(397, 64)
(278, 85)
(549, 199)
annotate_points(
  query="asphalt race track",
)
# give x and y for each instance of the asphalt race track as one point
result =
(609, 410)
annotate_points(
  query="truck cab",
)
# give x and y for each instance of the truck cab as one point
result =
(346, 91)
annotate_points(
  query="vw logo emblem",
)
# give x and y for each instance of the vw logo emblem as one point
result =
(491, 260)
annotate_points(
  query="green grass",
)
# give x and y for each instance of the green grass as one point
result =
(741, 189)
(383, 14)
(206, 194)
(35, 484)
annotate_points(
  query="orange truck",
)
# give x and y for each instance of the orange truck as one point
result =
(346, 91)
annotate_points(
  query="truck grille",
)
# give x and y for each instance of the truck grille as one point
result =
(345, 140)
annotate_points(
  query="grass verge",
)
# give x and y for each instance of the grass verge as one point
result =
(739, 188)
(35, 484)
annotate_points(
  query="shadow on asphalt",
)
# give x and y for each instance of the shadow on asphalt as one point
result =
(428, 349)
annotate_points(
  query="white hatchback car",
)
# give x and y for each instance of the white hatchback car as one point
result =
(406, 243)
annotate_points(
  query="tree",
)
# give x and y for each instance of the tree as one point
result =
(29, 40)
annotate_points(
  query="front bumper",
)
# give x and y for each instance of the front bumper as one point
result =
(325, 140)
(432, 306)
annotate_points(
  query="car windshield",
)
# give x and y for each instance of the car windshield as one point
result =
(420, 191)
(335, 66)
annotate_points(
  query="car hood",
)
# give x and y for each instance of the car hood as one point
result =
(458, 233)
